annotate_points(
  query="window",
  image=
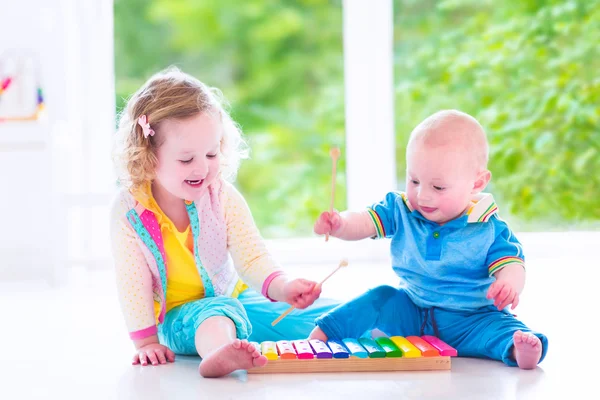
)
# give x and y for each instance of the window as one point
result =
(528, 72)
(280, 65)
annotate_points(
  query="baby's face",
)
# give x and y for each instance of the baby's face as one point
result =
(188, 160)
(440, 181)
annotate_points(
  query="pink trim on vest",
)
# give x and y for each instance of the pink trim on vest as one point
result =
(267, 283)
(143, 333)
(151, 224)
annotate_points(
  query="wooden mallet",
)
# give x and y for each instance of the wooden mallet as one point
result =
(335, 154)
(343, 263)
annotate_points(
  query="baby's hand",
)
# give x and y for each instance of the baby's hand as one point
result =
(503, 294)
(301, 293)
(154, 353)
(328, 223)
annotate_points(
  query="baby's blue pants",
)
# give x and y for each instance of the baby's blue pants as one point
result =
(485, 332)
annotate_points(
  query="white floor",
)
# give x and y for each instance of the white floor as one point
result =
(70, 342)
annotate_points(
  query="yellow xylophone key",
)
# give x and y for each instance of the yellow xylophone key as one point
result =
(408, 349)
(269, 350)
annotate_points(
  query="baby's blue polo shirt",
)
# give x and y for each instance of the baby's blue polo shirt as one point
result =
(448, 266)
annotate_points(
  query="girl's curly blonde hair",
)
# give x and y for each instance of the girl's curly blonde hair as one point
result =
(170, 94)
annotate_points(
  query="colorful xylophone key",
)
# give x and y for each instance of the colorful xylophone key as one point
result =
(320, 349)
(303, 349)
(286, 350)
(442, 347)
(355, 349)
(269, 350)
(338, 349)
(389, 346)
(406, 347)
(383, 353)
(374, 350)
(426, 349)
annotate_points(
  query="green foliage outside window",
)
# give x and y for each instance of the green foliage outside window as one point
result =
(527, 70)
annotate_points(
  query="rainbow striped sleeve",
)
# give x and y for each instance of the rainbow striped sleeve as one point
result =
(377, 222)
(503, 262)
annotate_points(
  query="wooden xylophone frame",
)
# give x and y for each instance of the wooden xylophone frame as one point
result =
(354, 364)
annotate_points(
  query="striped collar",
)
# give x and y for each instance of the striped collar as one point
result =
(482, 207)
(143, 195)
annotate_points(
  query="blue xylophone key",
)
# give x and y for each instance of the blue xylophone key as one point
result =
(338, 349)
(355, 348)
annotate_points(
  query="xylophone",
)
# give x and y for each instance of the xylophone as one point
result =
(395, 353)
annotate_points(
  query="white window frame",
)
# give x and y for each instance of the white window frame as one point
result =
(368, 34)
(369, 88)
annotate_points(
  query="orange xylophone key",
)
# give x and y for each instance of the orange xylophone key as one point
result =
(286, 350)
(427, 350)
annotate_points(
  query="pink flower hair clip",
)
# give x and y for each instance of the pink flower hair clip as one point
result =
(143, 122)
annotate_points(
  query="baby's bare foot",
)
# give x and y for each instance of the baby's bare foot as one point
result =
(527, 350)
(238, 354)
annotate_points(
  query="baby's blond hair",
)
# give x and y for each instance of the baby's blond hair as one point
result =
(453, 127)
(170, 94)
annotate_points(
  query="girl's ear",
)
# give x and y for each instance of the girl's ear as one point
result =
(482, 181)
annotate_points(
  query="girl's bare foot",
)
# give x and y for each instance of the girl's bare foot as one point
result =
(527, 350)
(238, 354)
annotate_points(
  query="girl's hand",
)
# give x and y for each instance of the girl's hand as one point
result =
(154, 353)
(328, 223)
(301, 293)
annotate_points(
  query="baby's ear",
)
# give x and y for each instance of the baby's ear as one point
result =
(482, 181)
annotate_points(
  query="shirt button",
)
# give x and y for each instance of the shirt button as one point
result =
(436, 235)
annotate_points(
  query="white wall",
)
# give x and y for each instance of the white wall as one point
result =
(48, 167)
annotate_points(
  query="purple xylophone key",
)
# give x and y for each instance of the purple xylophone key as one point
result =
(320, 348)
